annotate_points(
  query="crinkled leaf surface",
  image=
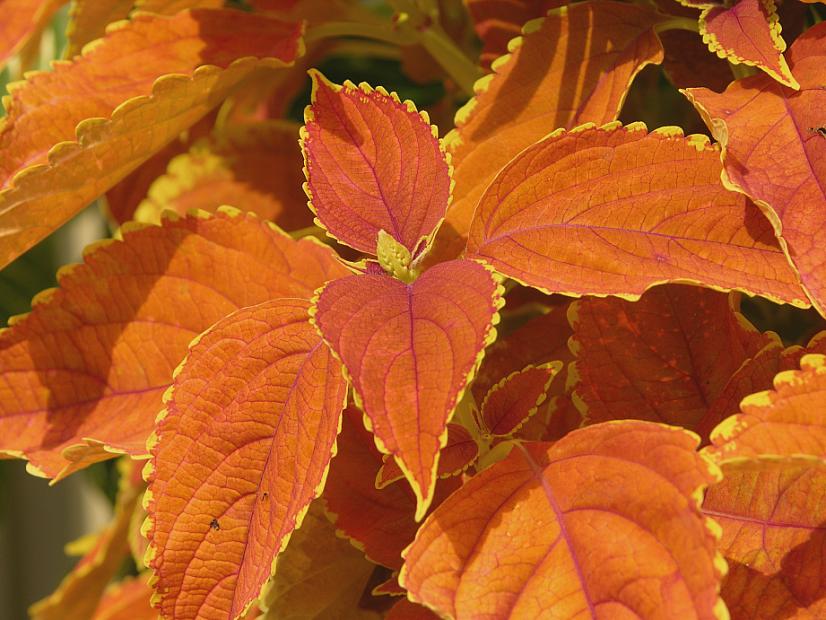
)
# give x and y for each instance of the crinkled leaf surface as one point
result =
(531, 92)
(373, 163)
(127, 600)
(527, 535)
(253, 167)
(410, 351)
(498, 21)
(241, 450)
(88, 366)
(665, 358)
(615, 210)
(60, 147)
(517, 397)
(774, 151)
(791, 419)
(772, 513)
(379, 521)
(458, 454)
(748, 32)
(88, 20)
(20, 20)
(319, 575)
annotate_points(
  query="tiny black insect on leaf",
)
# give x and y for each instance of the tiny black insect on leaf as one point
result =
(214, 524)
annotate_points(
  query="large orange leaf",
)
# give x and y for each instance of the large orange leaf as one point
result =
(87, 368)
(747, 32)
(79, 594)
(60, 147)
(379, 521)
(603, 524)
(319, 575)
(373, 163)
(531, 92)
(772, 513)
(410, 350)
(127, 600)
(253, 167)
(88, 20)
(789, 420)
(774, 150)
(666, 358)
(21, 19)
(240, 452)
(615, 210)
(498, 21)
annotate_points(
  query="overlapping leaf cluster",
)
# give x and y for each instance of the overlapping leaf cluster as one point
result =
(509, 365)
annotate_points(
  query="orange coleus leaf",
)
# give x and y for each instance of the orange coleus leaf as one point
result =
(785, 421)
(774, 150)
(61, 152)
(531, 92)
(79, 594)
(319, 575)
(127, 600)
(253, 167)
(258, 401)
(687, 62)
(527, 535)
(20, 20)
(615, 210)
(460, 451)
(88, 20)
(170, 7)
(87, 368)
(517, 397)
(373, 163)
(378, 521)
(498, 21)
(747, 32)
(666, 358)
(771, 512)
(410, 350)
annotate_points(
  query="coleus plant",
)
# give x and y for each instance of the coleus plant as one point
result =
(509, 366)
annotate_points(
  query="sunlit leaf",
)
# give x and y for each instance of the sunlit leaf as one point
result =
(88, 20)
(20, 20)
(747, 32)
(60, 148)
(774, 150)
(787, 420)
(666, 358)
(517, 397)
(531, 92)
(170, 7)
(253, 167)
(373, 163)
(258, 401)
(615, 210)
(379, 521)
(87, 368)
(127, 600)
(772, 513)
(79, 594)
(528, 534)
(410, 350)
(319, 575)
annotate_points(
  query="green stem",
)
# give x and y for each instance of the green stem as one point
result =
(678, 23)
(459, 67)
(377, 32)
(740, 71)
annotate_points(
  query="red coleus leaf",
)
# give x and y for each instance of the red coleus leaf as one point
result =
(747, 32)
(405, 610)
(785, 421)
(772, 512)
(517, 397)
(60, 147)
(460, 451)
(666, 358)
(615, 210)
(87, 368)
(258, 402)
(379, 521)
(528, 534)
(410, 350)
(531, 92)
(774, 150)
(373, 163)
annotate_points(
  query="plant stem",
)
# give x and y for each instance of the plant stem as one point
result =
(678, 23)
